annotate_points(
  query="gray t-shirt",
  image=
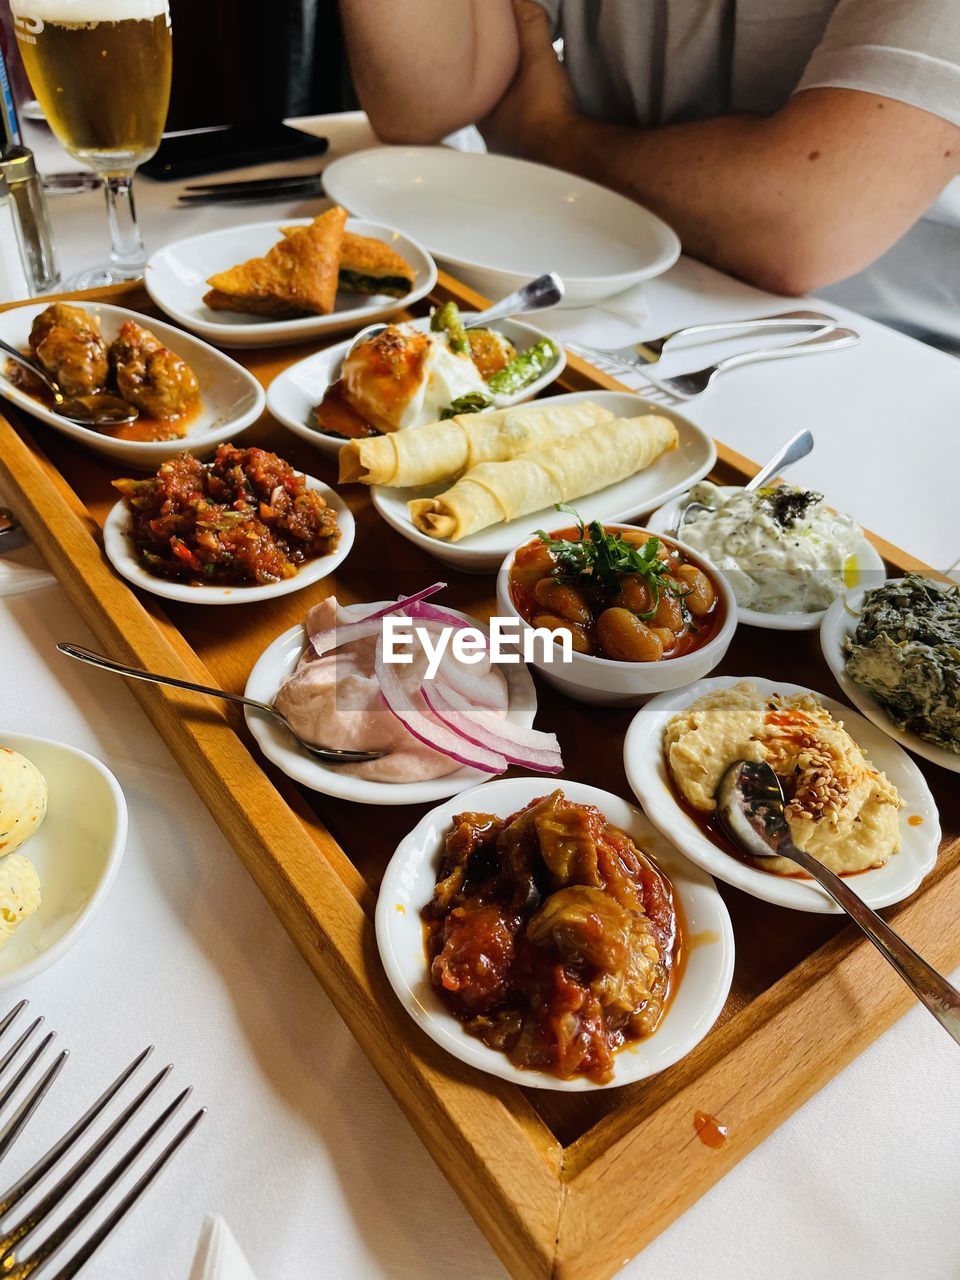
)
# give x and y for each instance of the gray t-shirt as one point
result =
(655, 62)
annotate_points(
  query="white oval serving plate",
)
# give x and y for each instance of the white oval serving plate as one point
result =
(295, 393)
(77, 851)
(176, 279)
(407, 887)
(646, 768)
(870, 572)
(499, 222)
(480, 552)
(118, 545)
(231, 399)
(280, 659)
(839, 623)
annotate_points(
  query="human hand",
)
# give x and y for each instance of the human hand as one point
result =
(539, 107)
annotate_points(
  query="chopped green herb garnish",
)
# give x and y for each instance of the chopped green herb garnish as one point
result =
(606, 557)
(787, 505)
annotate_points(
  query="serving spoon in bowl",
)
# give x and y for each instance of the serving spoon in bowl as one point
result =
(329, 755)
(546, 291)
(797, 447)
(750, 809)
(99, 409)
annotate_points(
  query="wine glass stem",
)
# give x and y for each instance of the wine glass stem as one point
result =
(127, 254)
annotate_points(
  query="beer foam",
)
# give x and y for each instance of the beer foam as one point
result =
(86, 12)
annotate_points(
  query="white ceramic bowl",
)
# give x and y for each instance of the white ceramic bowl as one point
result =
(231, 398)
(176, 279)
(295, 393)
(280, 659)
(870, 571)
(606, 682)
(77, 851)
(484, 551)
(839, 622)
(646, 769)
(118, 545)
(407, 887)
(498, 222)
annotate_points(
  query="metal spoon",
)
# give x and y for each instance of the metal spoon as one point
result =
(797, 447)
(750, 808)
(99, 409)
(329, 755)
(545, 291)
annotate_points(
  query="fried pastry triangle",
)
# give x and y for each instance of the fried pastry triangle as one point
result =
(297, 275)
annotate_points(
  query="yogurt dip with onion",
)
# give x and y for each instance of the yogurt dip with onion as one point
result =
(782, 550)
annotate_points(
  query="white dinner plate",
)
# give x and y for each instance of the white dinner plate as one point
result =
(839, 622)
(498, 222)
(231, 399)
(669, 474)
(176, 279)
(280, 659)
(118, 545)
(77, 850)
(870, 571)
(646, 768)
(296, 392)
(407, 887)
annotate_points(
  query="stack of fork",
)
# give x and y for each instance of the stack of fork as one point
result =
(35, 1199)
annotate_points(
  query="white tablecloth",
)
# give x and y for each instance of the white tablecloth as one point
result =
(303, 1151)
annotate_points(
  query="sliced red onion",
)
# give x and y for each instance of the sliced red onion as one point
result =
(472, 683)
(347, 632)
(514, 741)
(433, 733)
(433, 614)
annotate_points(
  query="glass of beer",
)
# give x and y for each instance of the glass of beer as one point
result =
(101, 72)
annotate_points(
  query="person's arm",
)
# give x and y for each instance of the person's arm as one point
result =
(789, 203)
(423, 68)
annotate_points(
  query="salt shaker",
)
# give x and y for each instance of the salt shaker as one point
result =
(18, 168)
(14, 284)
(30, 204)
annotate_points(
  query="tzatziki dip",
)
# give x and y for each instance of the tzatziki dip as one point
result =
(782, 550)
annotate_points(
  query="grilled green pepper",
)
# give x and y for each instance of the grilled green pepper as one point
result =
(472, 402)
(523, 369)
(447, 319)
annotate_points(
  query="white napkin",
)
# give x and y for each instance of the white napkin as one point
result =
(23, 570)
(219, 1257)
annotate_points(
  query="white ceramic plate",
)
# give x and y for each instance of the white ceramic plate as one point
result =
(118, 545)
(486, 550)
(280, 659)
(296, 392)
(231, 398)
(646, 770)
(870, 571)
(176, 279)
(839, 622)
(77, 851)
(407, 887)
(498, 222)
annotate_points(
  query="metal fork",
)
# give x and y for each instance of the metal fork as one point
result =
(685, 386)
(641, 354)
(11, 1129)
(14, 1266)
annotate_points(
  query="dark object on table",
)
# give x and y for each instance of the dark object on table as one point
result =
(214, 150)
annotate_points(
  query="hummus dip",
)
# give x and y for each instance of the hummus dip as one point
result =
(335, 699)
(840, 808)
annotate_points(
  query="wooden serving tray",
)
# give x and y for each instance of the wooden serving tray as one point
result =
(563, 1184)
